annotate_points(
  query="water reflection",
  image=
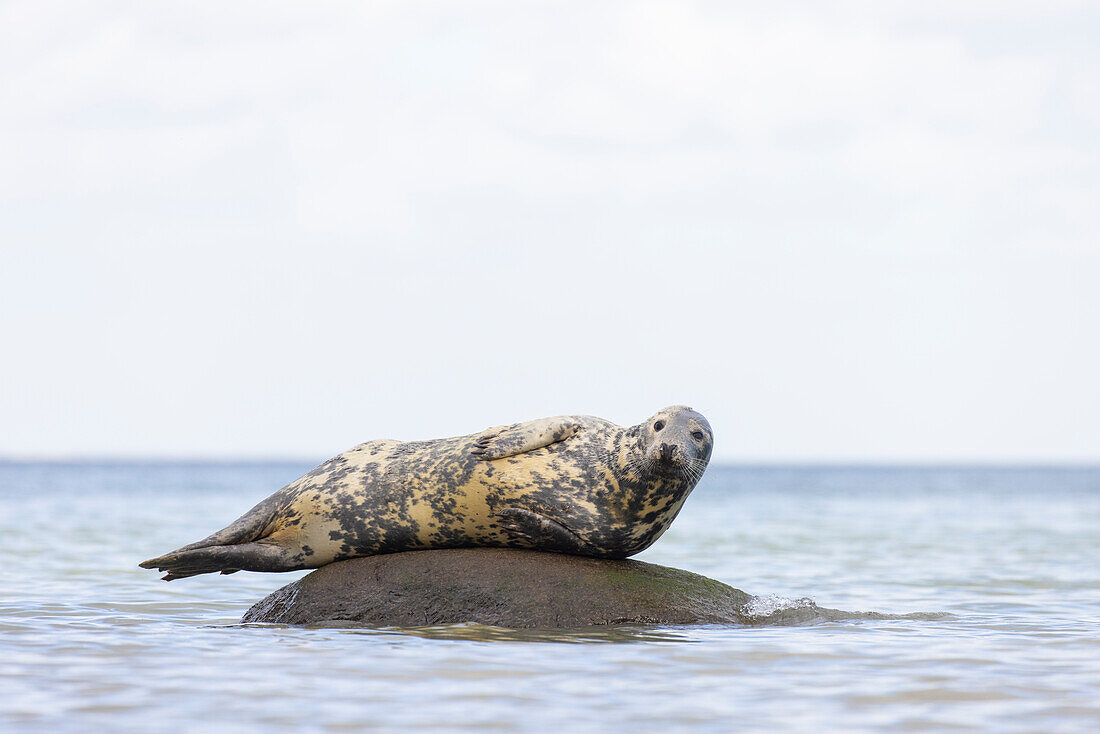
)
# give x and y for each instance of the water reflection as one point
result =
(472, 632)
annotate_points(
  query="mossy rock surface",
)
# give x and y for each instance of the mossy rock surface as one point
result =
(501, 587)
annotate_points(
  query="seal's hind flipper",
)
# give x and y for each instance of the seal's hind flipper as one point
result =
(499, 443)
(224, 559)
(533, 530)
(250, 526)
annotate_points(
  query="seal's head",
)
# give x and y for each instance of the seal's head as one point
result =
(677, 441)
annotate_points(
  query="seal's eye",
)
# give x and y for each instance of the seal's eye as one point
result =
(697, 435)
(658, 425)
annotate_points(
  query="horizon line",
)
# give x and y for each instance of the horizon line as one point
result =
(865, 462)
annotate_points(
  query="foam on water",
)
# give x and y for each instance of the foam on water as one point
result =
(766, 606)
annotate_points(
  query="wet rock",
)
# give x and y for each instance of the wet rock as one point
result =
(500, 587)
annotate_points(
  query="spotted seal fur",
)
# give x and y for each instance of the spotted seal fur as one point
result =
(570, 484)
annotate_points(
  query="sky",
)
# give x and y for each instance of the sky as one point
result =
(847, 231)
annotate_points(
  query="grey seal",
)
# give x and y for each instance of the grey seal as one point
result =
(571, 484)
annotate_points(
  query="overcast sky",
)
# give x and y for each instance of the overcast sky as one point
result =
(843, 231)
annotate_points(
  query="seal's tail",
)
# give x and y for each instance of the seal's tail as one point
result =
(221, 558)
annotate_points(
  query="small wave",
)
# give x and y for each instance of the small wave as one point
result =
(763, 606)
(772, 609)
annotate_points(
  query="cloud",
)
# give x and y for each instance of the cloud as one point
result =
(827, 210)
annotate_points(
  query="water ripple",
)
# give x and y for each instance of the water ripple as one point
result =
(979, 592)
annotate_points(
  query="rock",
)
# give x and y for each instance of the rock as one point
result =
(500, 587)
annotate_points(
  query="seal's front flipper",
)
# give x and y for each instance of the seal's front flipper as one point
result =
(533, 530)
(499, 443)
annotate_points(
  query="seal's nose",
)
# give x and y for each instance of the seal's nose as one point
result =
(667, 452)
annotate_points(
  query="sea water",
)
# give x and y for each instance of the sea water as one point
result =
(993, 575)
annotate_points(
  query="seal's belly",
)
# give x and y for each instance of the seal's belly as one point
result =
(563, 488)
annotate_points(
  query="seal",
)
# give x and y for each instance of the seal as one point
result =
(572, 484)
